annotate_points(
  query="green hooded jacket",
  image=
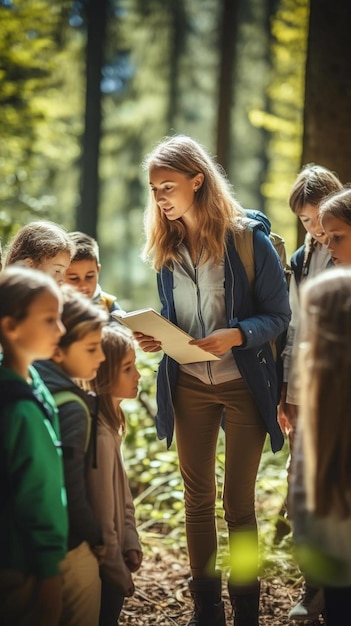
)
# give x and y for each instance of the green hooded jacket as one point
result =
(33, 510)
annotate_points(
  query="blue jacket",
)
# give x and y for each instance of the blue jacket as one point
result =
(261, 318)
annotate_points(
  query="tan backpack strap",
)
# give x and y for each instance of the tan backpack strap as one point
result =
(243, 241)
(107, 300)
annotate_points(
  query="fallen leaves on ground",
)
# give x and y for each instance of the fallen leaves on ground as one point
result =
(162, 597)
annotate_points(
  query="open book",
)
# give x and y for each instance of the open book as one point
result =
(174, 341)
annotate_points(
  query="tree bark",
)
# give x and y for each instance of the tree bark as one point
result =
(327, 127)
(87, 211)
(228, 33)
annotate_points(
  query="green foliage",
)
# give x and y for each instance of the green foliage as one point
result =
(166, 57)
(283, 116)
(34, 115)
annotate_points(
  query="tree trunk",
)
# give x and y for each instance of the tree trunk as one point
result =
(178, 35)
(327, 127)
(87, 211)
(225, 89)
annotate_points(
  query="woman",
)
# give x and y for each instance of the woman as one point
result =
(203, 287)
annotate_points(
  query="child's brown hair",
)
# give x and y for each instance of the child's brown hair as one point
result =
(85, 247)
(80, 316)
(325, 368)
(313, 183)
(37, 241)
(20, 286)
(116, 341)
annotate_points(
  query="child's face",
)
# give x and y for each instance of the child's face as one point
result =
(338, 234)
(83, 275)
(37, 336)
(56, 266)
(309, 218)
(82, 358)
(126, 384)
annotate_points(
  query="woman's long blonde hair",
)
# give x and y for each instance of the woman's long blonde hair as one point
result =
(116, 341)
(214, 203)
(325, 401)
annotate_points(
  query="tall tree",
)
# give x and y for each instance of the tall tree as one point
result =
(327, 128)
(178, 37)
(87, 210)
(227, 43)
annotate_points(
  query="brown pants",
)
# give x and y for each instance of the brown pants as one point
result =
(17, 599)
(198, 414)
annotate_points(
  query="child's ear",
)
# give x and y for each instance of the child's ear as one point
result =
(98, 267)
(8, 325)
(29, 262)
(58, 355)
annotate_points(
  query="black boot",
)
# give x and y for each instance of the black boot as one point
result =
(208, 605)
(245, 602)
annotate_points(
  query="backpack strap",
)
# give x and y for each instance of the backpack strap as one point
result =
(62, 397)
(243, 242)
(107, 300)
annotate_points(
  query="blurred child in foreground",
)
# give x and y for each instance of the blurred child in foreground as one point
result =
(321, 480)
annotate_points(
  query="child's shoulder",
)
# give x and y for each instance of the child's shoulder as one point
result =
(21, 406)
(109, 301)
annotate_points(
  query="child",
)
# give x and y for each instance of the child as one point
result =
(321, 483)
(83, 272)
(78, 355)
(33, 518)
(335, 215)
(109, 492)
(42, 245)
(311, 186)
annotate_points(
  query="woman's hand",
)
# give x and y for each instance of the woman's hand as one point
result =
(220, 341)
(147, 343)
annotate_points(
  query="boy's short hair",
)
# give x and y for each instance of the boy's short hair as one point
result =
(312, 185)
(85, 247)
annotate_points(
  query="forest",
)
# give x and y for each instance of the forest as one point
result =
(87, 88)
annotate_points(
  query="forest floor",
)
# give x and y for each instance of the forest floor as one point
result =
(162, 597)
